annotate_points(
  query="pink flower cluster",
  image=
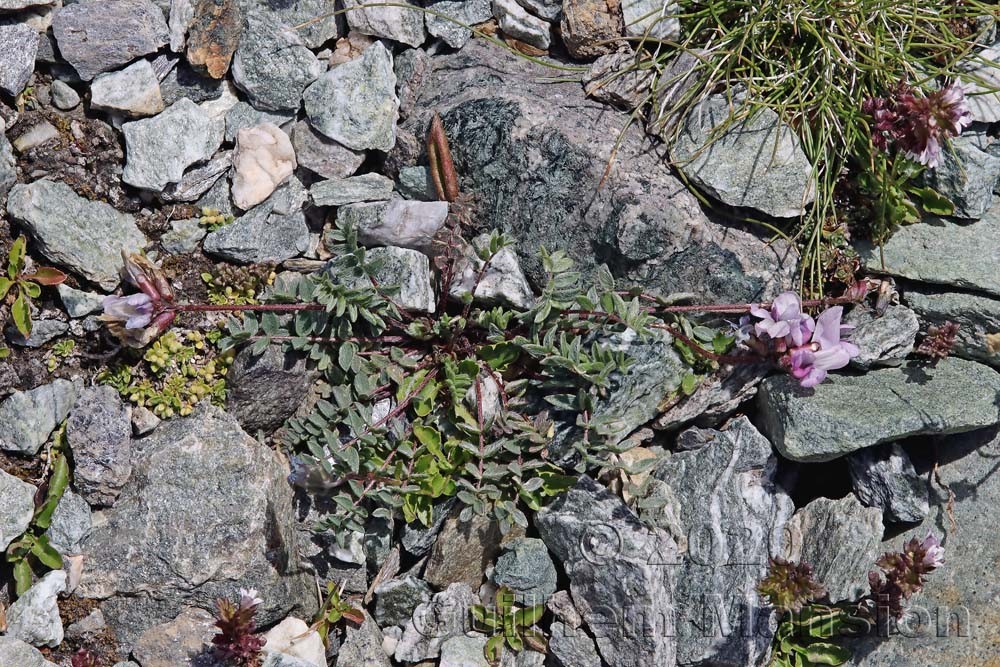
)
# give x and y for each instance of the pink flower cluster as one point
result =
(918, 124)
(807, 348)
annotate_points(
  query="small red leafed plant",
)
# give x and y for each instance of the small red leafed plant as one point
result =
(20, 287)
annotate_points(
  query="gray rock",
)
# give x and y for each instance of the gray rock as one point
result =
(17, 507)
(533, 154)
(322, 156)
(550, 10)
(943, 253)
(951, 621)
(721, 502)
(97, 37)
(635, 396)
(156, 542)
(967, 176)
(8, 166)
(71, 523)
(467, 12)
(516, 22)
(34, 617)
(87, 627)
(40, 133)
(362, 646)
(464, 651)
(128, 663)
(199, 180)
(884, 477)
(571, 647)
(502, 282)
(272, 65)
(616, 571)
(840, 539)
(43, 330)
(445, 616)
(156, 157)
(182, 82)
(980, 84)
(143, 420)
(398, 222)
(885, 340)
(416, 183)
(318, 14)
(133, 91)
(366, 187)
(264, 390)
(715, 398)
(396, 599)
(417, 539)
(64, 97)
(395, 23)
(756, 162)
(77, 302)
(527, 569)
(85, 236)
(410, 271)
(179, 20)
(243, 115)
(99, 432)
(262, 234)
(412, 66)
(14, 5)
(184, 236)
(284, 660)
(654, 19)
(977, 316)
(218, 198)
(15, 652)
(18, 46)
(182, 642)
(847, 413)
(355, 103)
(462, 551)
(614, 79)
(28, 417)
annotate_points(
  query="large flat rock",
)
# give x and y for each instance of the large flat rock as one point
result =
(847, 413)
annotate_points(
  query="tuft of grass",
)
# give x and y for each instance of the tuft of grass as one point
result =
(813, 62)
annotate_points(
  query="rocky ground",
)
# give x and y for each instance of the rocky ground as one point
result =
(223, 137)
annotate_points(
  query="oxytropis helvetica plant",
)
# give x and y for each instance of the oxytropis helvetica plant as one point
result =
(809, 624)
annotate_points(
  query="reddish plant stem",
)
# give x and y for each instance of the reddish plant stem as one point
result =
(395, 412)
(234, 308)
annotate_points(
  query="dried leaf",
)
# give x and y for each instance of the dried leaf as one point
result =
(442, 166)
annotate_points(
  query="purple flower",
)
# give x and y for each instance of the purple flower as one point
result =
(809, 363)
(742, 329)
(785, 319)
(918, 124)
(135, 310)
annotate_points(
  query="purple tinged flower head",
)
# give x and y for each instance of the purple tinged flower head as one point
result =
(784, 319)
(826, 352)
(918, 124)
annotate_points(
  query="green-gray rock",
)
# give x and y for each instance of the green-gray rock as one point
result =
(407, 269)
(77, 302)
(884, 477)
(337, 192)
(846, 413)
(527, 569)
(157, 156)
(978, 318)
(533, 155)
(28, 417)
(396, 599)
(17, 506)
(953, 621)
(840, 539)
(355, 102)
(944, 253)
(748, 159)
(272, 65)
(16, 652)
(966, 176)
(884, 340)
(464, 651)
(85, 236)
